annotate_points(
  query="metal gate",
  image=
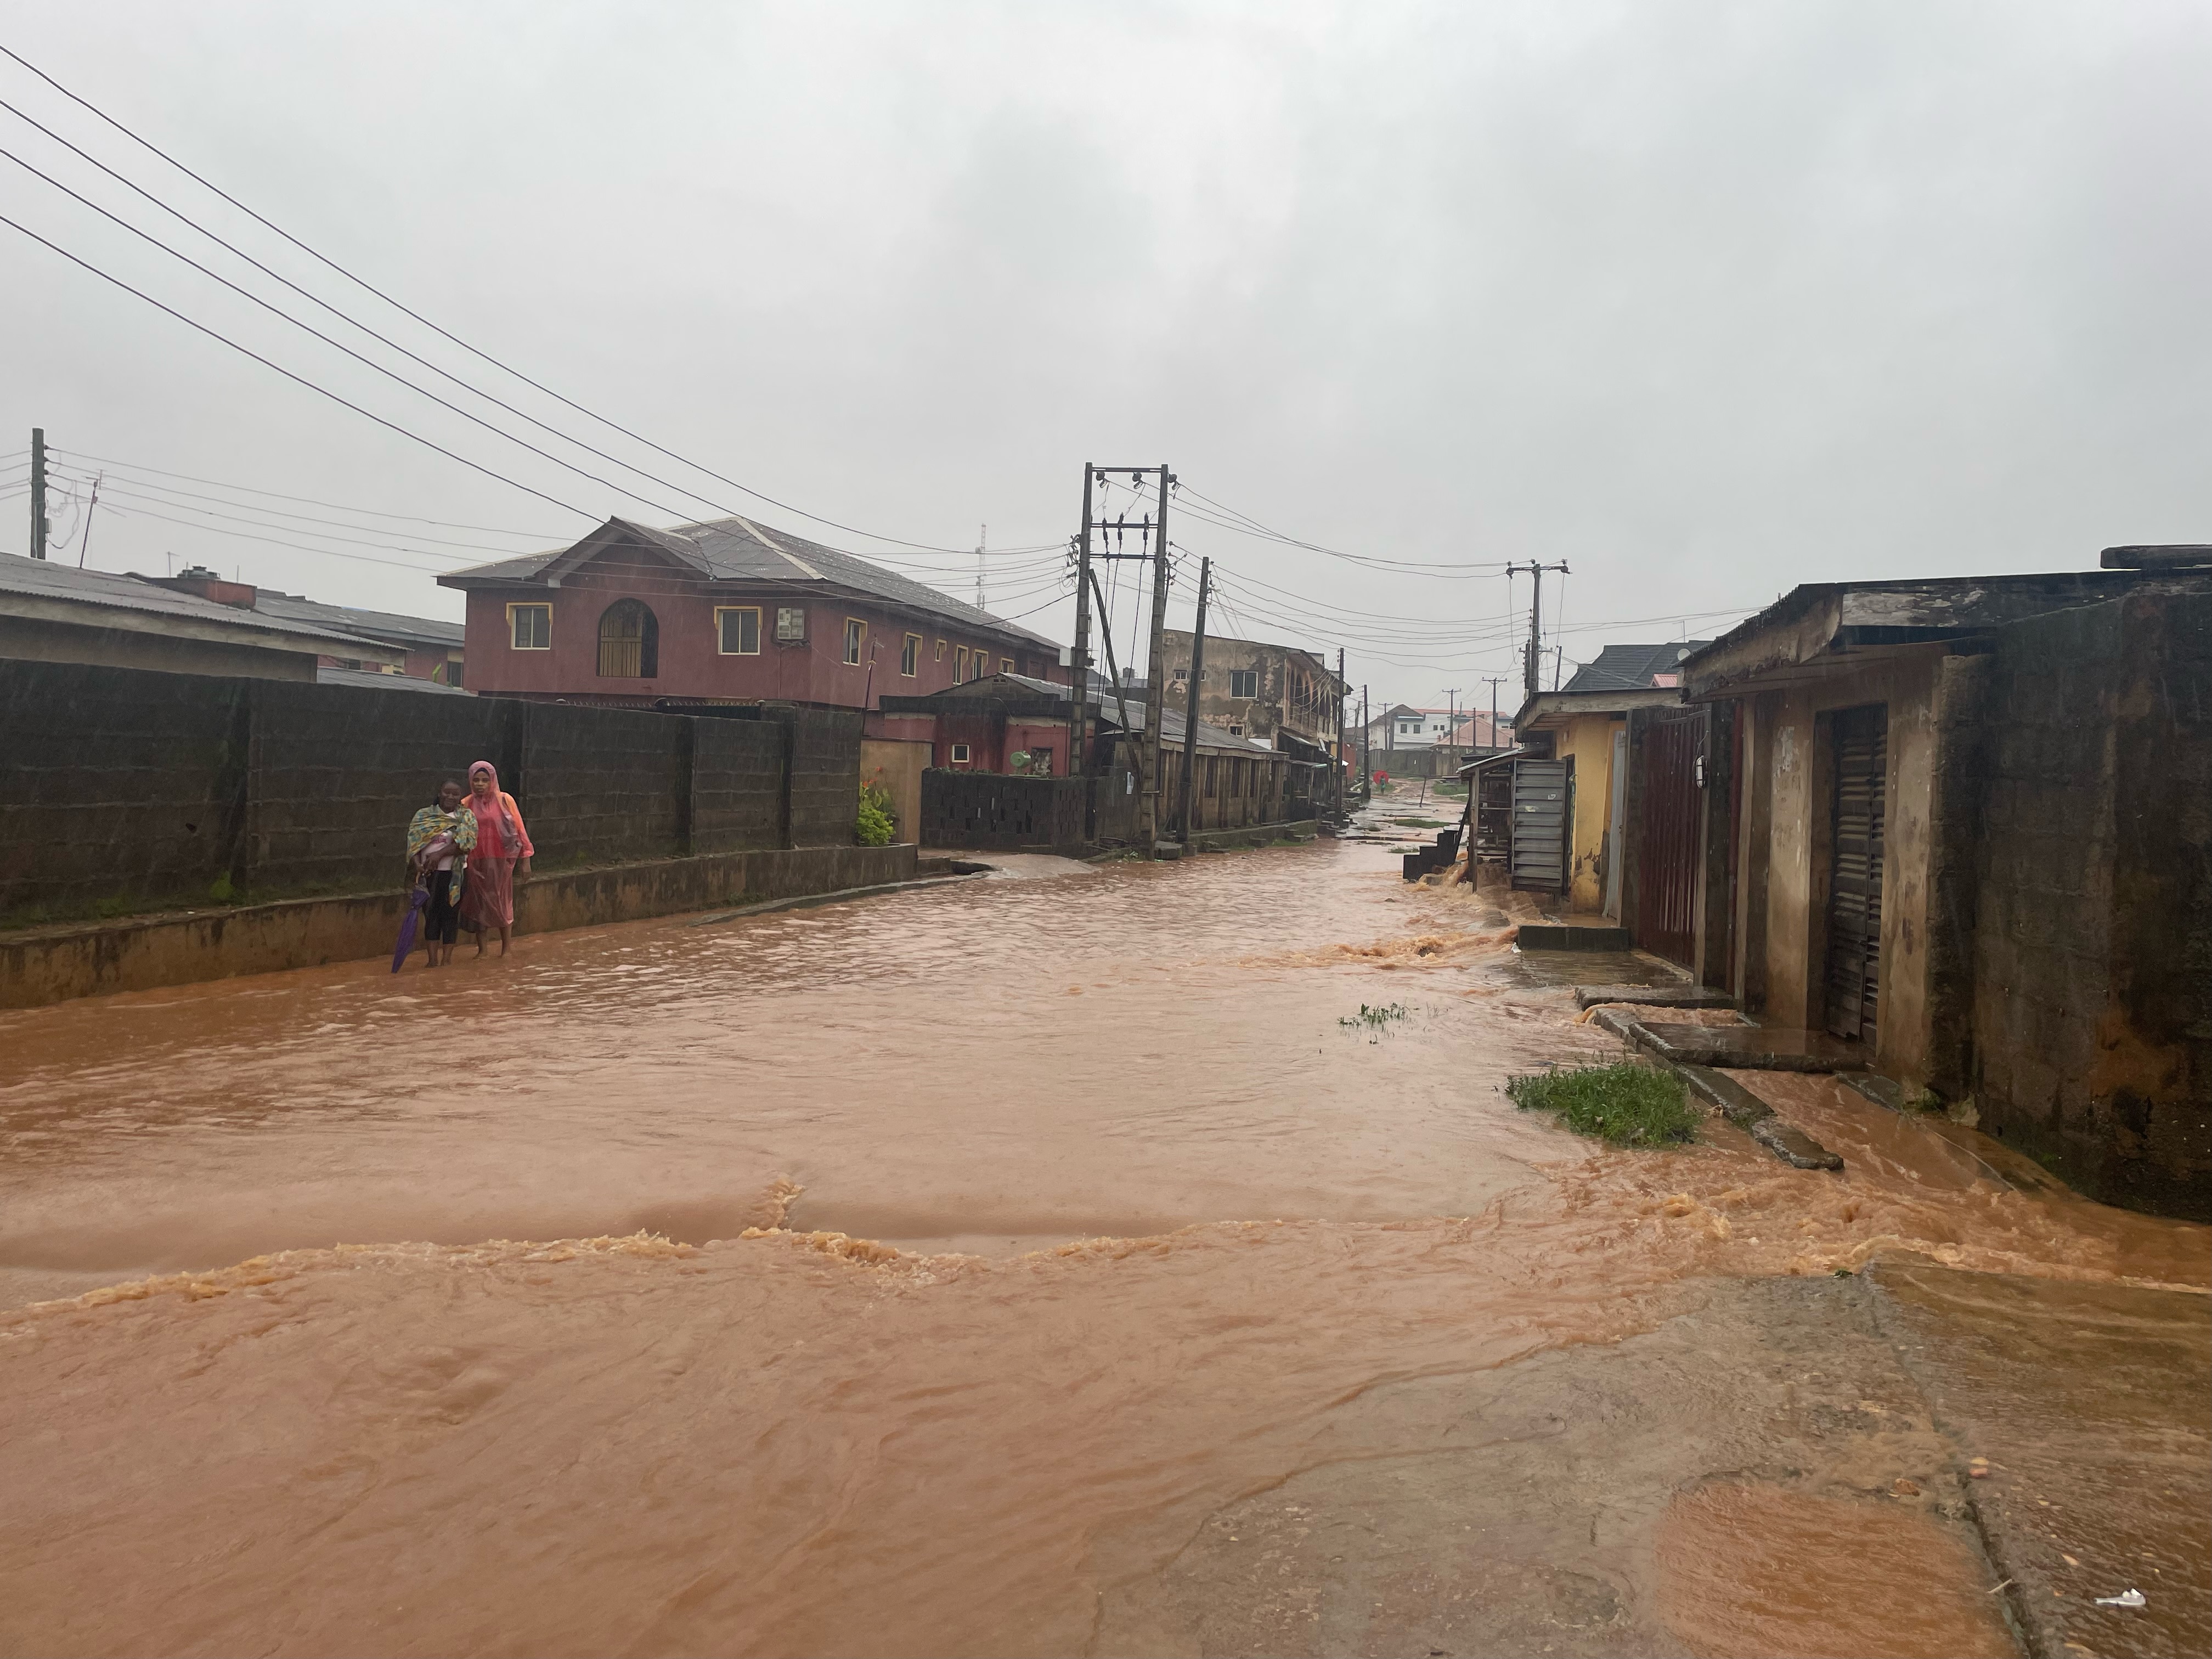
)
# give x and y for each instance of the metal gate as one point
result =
(1540, 824)
(1666, 854)
(1854, 953)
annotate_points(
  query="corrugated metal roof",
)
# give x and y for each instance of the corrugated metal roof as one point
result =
(382, 624)
(1631, 667)
(740, 550)
(44, 578)
(370, 679)
(1105, 708)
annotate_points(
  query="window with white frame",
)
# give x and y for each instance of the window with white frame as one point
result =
(856, 632)
(910, 656)
(1243, 681)
(737, 630)
(960, 754)
(530, 626)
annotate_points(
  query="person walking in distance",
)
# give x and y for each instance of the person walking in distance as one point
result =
(438, 844)
(501, 852)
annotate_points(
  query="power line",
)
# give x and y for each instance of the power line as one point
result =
(390, 426)
(392, 374)
(1247, 524)
(309, 501)
(370, 288)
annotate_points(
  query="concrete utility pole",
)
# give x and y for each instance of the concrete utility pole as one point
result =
(37, 492)
(983, 540)
(1451, 716)
(1152, 667)
(1077, 752)
(1366, 749)
(1533, 668)
(1190, 704)
(1341, 697)
(1494, 682)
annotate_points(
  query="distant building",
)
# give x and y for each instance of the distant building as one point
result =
(51, 612)
(1483, 731)
(432, 649)
(729, 611)
(1570, 790)
(1281, 696)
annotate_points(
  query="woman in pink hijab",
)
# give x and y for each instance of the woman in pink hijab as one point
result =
(488, 896)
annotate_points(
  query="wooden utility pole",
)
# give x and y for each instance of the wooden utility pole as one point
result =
(37, 492)
(1150, 816)
(1190, 704)
(1077, 750)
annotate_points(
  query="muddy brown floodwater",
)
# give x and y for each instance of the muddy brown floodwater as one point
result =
(934, 1273)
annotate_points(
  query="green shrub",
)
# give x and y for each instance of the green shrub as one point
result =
(873, 826)
(1626, 1104)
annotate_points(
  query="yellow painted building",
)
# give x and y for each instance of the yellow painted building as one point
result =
(1587, 730)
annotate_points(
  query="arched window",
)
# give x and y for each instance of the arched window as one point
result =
(629, 642)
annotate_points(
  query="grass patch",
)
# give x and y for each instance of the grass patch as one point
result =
(1626, 1104)
(1427, 824)
(1377, 1018)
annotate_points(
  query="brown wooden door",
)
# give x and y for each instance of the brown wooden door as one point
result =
(1853, 976)
(1667, 849)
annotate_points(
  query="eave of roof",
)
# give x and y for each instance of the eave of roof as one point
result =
(41, 590)
(742, 553)
(1817, 622)
(1547, 711)
(381, 624)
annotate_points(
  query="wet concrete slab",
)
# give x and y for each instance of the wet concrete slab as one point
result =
(1545, 970)
(1677, 995)
(1751, 1047)
(1538, 1508)
(1560, 936)
(1758, 1119)
(2083, 1415)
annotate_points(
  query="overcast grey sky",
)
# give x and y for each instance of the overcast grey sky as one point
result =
(1705, 299)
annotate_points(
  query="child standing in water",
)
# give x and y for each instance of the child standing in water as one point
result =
(438, 842)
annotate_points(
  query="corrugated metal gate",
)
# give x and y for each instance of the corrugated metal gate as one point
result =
(1666, 852)
(1854, 953)
(1540, 824)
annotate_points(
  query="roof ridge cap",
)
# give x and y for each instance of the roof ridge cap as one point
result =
(773, 546)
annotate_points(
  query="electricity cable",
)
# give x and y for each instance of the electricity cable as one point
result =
(363, 283)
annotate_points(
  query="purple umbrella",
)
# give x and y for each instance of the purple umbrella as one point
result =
(408, 924)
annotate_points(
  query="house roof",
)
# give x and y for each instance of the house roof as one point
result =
(1104, 705)
(43, 587)
(1632, 667)
(371, 680)
(1819, 628)
(375, 624)
(738, 550)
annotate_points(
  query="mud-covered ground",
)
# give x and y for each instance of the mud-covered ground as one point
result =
(1213, 1299)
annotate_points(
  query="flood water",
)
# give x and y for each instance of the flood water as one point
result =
(1167, 1176)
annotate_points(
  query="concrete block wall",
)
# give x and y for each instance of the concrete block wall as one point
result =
(127, 793)
(825, 774)
(334, 767)
(605, 784)
(736, 785)
(2092, 962)
(125, 790)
